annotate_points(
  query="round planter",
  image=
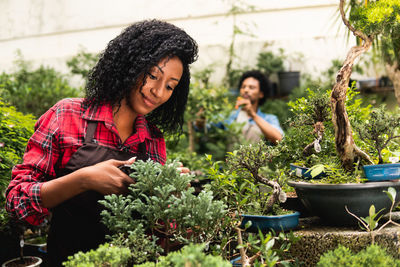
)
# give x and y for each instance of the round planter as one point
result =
(328, 201)
(276, 223)
(30, 262)
(382, 172)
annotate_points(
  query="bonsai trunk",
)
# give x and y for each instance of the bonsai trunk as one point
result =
(345, 146)
(393, 72)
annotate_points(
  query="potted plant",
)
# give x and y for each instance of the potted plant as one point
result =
(261, 203)
(381, 128)
(290, 78)
(329, 200)
(18, 229)
(161, 212)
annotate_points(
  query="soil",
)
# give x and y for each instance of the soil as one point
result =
(21, 263)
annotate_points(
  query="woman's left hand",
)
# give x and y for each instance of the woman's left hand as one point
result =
(182, 169)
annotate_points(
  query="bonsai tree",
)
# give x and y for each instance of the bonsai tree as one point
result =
(381, 128)
(249, 161)
(368, 22)
(162, 206)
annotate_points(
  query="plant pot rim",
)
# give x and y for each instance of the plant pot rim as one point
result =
(349, 186)
(382, 165)
(25, 257)
(295, 213)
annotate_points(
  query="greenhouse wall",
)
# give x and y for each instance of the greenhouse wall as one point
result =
(50, 32)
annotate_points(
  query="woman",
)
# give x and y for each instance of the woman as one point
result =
(137, 90)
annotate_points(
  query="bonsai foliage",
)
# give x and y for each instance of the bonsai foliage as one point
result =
(310, 139)
(381, 20)
(312, 111)
(379, 130)
(249, 160)
(190, 255)
(162, 201)
(372, 255)
(105, 255)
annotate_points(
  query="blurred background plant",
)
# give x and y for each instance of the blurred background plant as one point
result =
(34, 90)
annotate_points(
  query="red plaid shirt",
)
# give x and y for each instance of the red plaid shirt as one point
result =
(58, 134)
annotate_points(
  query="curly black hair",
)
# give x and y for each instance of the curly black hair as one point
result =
(265, 85)
(130, 56)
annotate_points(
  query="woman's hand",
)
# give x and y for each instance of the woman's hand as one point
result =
(106, 177)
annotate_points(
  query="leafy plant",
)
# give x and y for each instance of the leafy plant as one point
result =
(104, 255)
(15, 130)
(370, 223)
(82, 63)
(372, 255)
(266, 250)
(34, 90)
(269, 62)
(163, 202)
(380, 20)
(190, 255)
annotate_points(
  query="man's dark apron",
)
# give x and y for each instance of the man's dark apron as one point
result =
(75, 224)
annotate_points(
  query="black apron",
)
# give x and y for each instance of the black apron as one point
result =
(75, 224)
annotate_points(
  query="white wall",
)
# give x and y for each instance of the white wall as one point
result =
(50, 31)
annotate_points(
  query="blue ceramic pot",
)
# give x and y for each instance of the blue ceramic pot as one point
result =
(235, 262)
(304, 172)
(382, 172)
(276, 223)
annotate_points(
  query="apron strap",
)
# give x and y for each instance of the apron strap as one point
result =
(142, 148)
(91, 129)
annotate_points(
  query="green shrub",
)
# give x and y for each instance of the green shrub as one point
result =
(105, 255)
(191, 255)
(15, 130)
(34, 90)
(167, 207)
(373, 255)
(82, 63)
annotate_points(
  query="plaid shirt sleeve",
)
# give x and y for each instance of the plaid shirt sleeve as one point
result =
(23, 193)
